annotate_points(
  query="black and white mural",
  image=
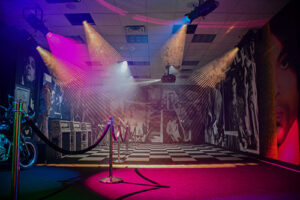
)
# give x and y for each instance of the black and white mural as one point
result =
(214, 123)
(164, 114)
(240, 103)
(28, 70)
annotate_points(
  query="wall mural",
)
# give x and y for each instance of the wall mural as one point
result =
(164, 114)
(214, 123)
(27, 71)
(240, 102)
(279, 56)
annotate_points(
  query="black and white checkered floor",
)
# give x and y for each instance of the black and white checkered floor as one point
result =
(159, 154)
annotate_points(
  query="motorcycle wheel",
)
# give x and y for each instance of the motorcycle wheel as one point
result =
(29, 160)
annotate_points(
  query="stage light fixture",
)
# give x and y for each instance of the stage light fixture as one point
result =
(124, 66)
(204, 8)
(167, 77)
(186, 19)
(34, 17)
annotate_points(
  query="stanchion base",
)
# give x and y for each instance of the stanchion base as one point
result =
(111, 180)
(117, 161)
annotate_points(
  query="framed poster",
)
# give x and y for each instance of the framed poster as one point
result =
(22, 95)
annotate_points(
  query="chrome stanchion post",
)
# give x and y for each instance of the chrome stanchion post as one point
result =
(119, 149)
(110, 148)
(110, 179)
(16, 151)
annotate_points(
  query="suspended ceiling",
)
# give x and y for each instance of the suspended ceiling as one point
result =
(229, 22)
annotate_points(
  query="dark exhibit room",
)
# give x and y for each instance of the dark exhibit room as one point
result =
(149, 99)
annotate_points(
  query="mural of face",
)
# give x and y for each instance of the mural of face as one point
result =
(30, 69)
(286, 97)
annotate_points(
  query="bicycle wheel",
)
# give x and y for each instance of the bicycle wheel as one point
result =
(28, 158)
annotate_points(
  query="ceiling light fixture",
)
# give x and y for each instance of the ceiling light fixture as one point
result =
(34, 17)
(204, 8)
(167, 77)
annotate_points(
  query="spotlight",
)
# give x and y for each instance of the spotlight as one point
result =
(186, 20)
(37, 24)
(203, 9)
(124, 66)
(167, 77)
(34, 21)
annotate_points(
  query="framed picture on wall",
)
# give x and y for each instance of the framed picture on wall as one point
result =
(22, 95)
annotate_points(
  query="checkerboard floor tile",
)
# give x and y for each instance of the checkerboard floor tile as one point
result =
(159, 154)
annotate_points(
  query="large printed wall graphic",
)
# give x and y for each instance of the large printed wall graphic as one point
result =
(28, 72)
(240, 102)
(278, 44)
(213, 121)
(168, 114)
(232, 109)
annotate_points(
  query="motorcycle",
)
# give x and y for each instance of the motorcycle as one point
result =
(28, 148)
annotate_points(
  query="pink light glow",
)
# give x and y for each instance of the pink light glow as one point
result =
(288, 151)
(62, 70)
(235, 24)
(152, 20)
(202, 24)
(113, 8)
(281, 166)
(209, 183)
(68, 50)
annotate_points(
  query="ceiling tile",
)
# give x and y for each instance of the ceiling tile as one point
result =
(109, 30)
(166, 17)
(60, 8)
(157, 38)
(161, 5)
(67, 30)
(115, 38)
(129, 20)
(132, 6)
(260, 7)
(56, 20)
(95, 6)
(160, 29)
(106, 19)
(185, 6)
(230, 21)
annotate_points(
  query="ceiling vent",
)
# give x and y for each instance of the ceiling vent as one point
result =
(135, 29)
(78, 18)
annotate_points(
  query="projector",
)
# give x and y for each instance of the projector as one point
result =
(203, 9)
(169, 78)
